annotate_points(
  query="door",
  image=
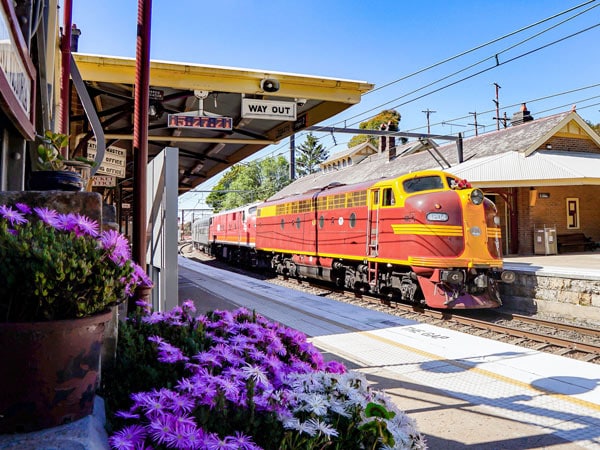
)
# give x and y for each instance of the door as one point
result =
(373, 222)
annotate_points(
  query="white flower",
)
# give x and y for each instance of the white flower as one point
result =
(315, 403)
(255, 373)
(323, 428)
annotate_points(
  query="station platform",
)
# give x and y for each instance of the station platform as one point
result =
(584, 264)
(465, 392)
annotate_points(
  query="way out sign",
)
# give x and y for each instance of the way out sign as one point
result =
(268, 109)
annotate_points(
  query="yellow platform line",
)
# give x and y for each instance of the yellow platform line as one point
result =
(487, 373)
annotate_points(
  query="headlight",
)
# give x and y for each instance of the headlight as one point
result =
(452, 276)
(475, 231)
(508, 276)
(476, 196)
(437, 217)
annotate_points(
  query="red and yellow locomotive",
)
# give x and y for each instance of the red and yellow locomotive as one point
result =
(421, 237)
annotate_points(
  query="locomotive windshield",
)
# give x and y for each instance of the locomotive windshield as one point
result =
(422, 184)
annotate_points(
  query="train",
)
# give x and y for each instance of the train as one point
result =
(427, 238)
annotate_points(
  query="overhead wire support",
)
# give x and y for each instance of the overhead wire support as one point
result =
(427, 113)
(382, 133)
(497, 102)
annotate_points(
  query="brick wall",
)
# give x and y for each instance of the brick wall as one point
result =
(552, 212)
(570, 144)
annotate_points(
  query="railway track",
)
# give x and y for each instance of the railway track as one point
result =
(561, 338)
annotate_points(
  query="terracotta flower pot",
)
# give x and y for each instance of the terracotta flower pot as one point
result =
(49, 372)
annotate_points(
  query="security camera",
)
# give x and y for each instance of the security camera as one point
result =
(301, 101)
(269, 85)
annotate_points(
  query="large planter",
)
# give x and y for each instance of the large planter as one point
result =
(49, 372)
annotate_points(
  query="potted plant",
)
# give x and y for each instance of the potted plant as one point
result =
(55, 171)
(59, 278)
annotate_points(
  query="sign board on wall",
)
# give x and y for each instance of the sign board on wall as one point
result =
(268, 109)
(115, 160)
(104, 181)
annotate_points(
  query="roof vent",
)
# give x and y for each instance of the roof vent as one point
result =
(522, 116)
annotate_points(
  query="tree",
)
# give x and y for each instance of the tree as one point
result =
(217, 196)
(311, 154)
(384, 117)
(596, 127)
(247, 183)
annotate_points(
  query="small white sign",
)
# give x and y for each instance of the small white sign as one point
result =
(104, 181)
(268, 109)
(115, 160)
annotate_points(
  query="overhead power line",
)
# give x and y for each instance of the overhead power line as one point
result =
(495, 58)
(493, 41)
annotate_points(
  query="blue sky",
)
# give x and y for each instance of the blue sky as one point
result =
(381, 43)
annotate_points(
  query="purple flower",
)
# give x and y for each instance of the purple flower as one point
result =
(168, 353)
(85, 226)
(180, 403)
(23, 208)
(48, 216)
(335, 367)
(66, 222)
(214, 442)
(128, 438)
(243, 442)
(13, 217)
(115, 241)
(161, 427)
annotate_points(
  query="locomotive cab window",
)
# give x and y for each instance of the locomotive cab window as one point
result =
(375, 198)
(388, 198)
(422, 184)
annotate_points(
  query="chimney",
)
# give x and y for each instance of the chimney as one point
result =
(387, 143)
(383, 141)
(522, 116)
(75, 33)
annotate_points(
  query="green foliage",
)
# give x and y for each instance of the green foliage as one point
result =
(250, 182)
(216, 198)
(384, 117)
(50, 152)
(311, 154)
(596, 127)
(53, 273)
(376, 429)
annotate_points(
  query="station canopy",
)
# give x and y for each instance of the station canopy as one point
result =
(216, 116)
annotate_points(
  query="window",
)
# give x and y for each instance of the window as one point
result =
(422, 184)
(375, 198)
(572, 213)
(352, 220)
(388, 197)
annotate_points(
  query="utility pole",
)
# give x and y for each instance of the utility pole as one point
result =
(293, 157)
(497, 102)
(427, 113)
(476, 127)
